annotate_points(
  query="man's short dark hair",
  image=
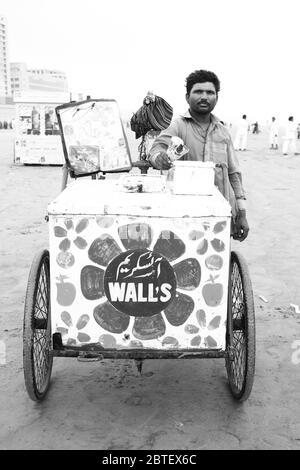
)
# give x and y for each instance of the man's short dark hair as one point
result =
(201, 76)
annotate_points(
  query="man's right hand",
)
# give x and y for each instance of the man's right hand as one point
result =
(241, 227)
(161, 161)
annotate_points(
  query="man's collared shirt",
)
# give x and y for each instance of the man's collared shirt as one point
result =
(213, 144)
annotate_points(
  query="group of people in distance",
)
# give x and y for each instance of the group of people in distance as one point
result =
(289, 138)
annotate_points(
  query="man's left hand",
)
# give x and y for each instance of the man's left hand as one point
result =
(241, 227)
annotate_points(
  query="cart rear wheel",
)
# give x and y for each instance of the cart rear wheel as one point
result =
(37, 357)
(240, 363)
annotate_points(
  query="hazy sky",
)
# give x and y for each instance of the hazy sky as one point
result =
(122, 48)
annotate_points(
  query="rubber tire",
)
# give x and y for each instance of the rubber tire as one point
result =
(36, 392)
(244, 391)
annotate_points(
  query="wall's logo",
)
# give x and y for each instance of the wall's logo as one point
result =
(140, 283)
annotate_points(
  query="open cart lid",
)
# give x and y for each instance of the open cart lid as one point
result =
(105, 197)
(93, 137)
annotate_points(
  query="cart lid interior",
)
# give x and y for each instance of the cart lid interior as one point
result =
(87, 196)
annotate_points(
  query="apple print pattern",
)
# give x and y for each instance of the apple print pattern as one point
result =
(197, 251)
(66, 291)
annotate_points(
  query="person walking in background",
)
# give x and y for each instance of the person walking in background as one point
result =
(273, 137)
(255, 128)
(289, 138)
(240, 141)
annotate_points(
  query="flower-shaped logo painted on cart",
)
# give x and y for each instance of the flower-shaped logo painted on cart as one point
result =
(74, 332)
(150, 284)
(206, 328)
(65, 259)
(204, 237)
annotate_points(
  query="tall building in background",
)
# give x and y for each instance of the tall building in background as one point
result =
(18, 76)
(5, 89)
(41, 80)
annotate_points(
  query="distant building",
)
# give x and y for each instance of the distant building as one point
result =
(5, 89)
(47, 80)
(15, 77)
(44, 80)
(18, 77)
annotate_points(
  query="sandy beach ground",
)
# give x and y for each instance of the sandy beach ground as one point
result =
(173, 404)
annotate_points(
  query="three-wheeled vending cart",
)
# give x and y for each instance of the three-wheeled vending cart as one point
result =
(138, 267)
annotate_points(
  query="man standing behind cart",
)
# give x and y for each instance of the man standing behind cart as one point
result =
(207, 140)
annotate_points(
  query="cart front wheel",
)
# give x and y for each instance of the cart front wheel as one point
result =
(37, 357)
(240, 363)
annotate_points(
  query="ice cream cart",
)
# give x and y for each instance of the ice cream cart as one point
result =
(139, 267)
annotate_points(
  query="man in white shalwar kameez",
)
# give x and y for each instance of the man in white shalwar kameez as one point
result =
(273, 138)
(240, 141)
(289, 138)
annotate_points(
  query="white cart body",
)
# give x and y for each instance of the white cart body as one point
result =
(138, 270)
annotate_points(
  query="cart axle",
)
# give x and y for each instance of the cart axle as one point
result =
(139, 355)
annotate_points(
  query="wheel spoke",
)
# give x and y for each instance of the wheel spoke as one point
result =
(41, 356)
(238, 363)
(41, 304)
(37, 355)
(41, 339)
